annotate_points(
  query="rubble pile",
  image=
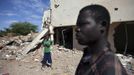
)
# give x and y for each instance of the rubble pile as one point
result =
(10, 46)
(128, 62)
(64, 60)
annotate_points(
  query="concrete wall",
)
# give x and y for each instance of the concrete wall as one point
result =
(46, 18)
(65, 12)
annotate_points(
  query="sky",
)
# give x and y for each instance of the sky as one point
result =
(22, 11)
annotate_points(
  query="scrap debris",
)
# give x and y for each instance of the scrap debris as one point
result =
(11, 47)
(128, 62)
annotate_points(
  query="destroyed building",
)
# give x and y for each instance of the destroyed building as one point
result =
(62, 18)
(60, 21)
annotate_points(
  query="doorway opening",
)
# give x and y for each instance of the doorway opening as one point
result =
(124, 38)
(64, 36)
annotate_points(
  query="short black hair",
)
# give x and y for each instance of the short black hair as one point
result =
(99, 13)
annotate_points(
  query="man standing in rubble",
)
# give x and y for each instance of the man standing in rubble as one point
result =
(92, 31)
(47, 60)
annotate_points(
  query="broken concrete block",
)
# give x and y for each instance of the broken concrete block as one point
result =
(36, 60)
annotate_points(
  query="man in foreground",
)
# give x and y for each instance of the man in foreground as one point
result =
(92, 31)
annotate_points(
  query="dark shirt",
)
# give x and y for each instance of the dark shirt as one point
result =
(104, 64)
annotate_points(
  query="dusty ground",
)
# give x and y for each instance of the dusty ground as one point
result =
(64, 63)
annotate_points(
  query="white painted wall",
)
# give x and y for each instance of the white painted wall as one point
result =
(45, 18)
(66, 12)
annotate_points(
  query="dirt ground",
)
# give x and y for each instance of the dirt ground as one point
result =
(64, 63)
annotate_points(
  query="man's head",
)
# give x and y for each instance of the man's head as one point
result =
(92, 24)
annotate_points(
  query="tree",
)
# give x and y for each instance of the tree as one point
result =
(5, 31)
(22, 28)
(2, 33)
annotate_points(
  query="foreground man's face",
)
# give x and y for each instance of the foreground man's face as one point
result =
(87, 30)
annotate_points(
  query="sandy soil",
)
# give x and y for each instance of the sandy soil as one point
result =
(64, 63)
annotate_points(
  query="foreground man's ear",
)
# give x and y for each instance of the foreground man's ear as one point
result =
(103, 25)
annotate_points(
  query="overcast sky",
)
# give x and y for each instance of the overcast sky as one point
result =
(21, 11)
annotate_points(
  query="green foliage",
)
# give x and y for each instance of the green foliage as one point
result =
(23, 28)
(19, 28)
(2, 33)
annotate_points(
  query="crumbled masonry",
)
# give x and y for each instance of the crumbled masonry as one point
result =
(65, 60)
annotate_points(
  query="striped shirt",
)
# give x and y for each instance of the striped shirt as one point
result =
(104, 64)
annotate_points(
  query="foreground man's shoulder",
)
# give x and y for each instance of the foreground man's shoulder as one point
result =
(112, 65)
